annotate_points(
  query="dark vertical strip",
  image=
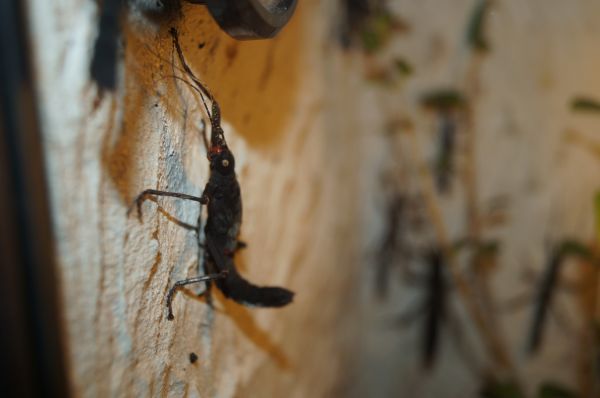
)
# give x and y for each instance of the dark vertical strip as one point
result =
(30, 326)
(103, 69)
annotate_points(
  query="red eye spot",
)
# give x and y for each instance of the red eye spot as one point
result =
(215, 150)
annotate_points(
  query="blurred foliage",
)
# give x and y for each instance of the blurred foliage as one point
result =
(378, 29)
(487, 249)
(597, 216)
(570, 247)
(402, 66)
(585, 104)
(512, 390)
(444, 99)
(553, 390)
(476, 27)
(390, 75)
(370, 24)
(505, 389)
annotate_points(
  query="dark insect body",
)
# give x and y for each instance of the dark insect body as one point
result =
(547, 288)
(432, 310)
(223, 201)
(448, 104)
(388, 251)
(434, 306)
(543, 301)
(445, 158)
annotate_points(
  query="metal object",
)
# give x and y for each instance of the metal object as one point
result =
(250, 19)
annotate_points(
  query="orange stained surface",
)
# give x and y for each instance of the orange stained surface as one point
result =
(255, 83)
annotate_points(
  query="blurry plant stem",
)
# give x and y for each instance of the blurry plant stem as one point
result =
(469, 175)
(491, 340)
(589, 346)
(480, 270)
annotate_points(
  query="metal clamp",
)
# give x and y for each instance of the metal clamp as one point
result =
(250, 19)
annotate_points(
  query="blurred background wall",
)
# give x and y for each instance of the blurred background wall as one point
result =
(330, 121)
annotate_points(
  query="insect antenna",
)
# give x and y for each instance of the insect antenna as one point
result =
(200, 87)
(217, 137)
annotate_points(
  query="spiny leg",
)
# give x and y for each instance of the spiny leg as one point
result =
(153, 192)
(189, 281)
(208, 270)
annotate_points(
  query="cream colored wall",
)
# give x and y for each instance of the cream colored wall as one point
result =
(543, 53)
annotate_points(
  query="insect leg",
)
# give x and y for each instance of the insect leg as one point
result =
(153, 192)
(189, 281)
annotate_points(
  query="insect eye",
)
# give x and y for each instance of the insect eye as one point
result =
(225, 162)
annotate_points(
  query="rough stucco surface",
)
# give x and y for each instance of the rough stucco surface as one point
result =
(307, 132)
(116, 270)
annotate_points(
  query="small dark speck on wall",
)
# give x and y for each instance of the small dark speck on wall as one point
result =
(193, 357)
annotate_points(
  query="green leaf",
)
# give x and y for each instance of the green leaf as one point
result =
(569, 247)
(585, 104)
(444, 99)
(377, 30)
(501, 390)
(488, 248)
(553, 390)
(403, 67)
(597, 215)
(475, 29)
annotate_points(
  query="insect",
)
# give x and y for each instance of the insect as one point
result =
(387, 251)
(433, 308)
(222, 198)
(448, 104)
(444, 163)
(548, 285)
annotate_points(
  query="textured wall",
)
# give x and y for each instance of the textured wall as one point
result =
(102, 151)
(308, 131)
